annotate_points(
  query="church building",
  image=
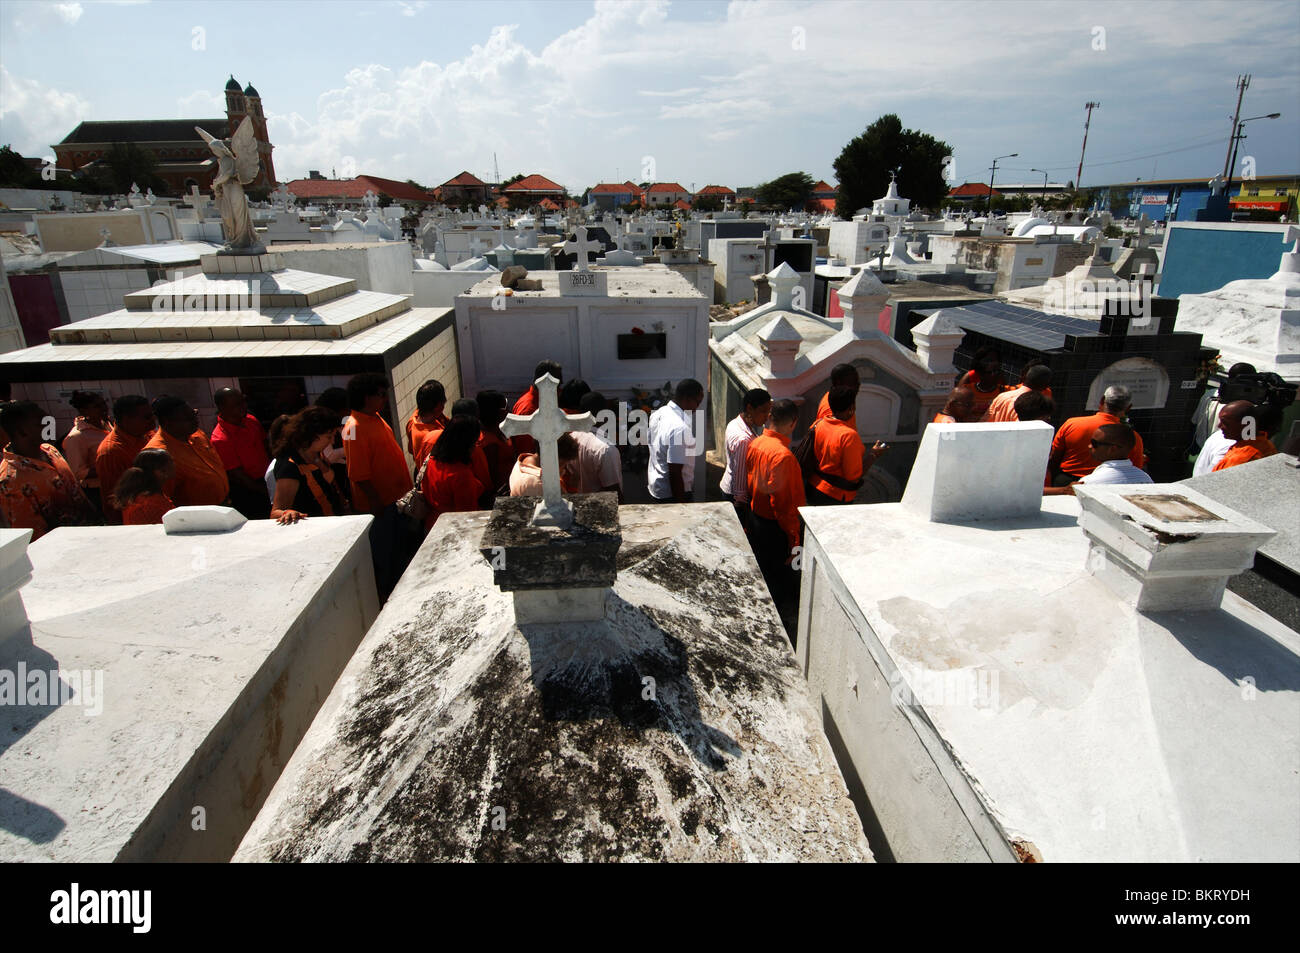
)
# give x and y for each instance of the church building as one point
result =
(184, 159)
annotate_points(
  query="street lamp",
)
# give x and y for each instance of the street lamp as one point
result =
(1044, 185)
(1011, 155)
(1241, 134)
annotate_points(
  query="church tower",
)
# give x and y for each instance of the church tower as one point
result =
(247, 102)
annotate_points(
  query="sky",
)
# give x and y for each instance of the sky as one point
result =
(693, 92)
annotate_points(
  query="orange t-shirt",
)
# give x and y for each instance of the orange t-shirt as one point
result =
(1243, 451)
(417, 429)
(147, 509)
(449, 488)
(375, 456)
(839, 450)
(200, 475)
(500, 455)
(114, 457)
(477, 458)
(1003, 408)
(1072, 449)
(970, 380)
(775, 482)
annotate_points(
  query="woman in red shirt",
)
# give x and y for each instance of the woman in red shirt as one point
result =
(449, 484)
(139, 492)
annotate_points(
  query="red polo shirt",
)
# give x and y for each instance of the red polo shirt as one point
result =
(241, 446)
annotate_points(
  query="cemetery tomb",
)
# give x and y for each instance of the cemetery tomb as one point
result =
(1160, 366)
(249, 322)
(673, 727)
(994, 692)
(175, 706)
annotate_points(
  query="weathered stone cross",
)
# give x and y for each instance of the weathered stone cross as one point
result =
(581, 247)
(546, 426)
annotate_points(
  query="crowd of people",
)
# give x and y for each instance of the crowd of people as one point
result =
(340, 456)
(336, 457)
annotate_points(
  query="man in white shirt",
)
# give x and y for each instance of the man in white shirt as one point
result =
(1216, 445)
(1111, 446)
(756, 407)
(671, 471)
(599, 467)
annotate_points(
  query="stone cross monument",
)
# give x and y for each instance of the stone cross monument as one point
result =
(580, 248)
(546, 426)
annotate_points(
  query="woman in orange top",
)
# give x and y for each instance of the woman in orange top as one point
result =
(449, 484)
(985, 380)
(139, 492)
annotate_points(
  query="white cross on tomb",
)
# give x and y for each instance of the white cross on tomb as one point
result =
(546, 426)
(581, 247)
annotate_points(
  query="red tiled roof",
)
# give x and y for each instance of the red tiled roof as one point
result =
(548, 205)
(682, 205)
(716, 190)
(745, 198)
(465, 179)
(607, 188)
(357, 188)
(972, 188)
(821, 186)
(636, 189)
(533, 183)
(666, 187)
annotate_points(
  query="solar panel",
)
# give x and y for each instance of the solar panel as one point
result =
(1037, 330)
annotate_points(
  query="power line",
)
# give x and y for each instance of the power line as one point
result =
(1151, 155)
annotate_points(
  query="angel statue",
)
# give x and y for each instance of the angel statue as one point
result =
(237, 165)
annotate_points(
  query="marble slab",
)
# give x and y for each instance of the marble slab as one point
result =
(190, 667)
(678, 728)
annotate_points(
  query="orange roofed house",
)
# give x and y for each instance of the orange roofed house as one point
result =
(350, 193)
(531, 189)
(612, 195)
(666, 193)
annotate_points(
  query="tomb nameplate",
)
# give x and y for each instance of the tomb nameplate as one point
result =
(1146, 380)
(584, 283)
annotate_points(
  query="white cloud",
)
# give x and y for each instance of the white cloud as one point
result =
(201, 104)
(33, 116)
(69, 13)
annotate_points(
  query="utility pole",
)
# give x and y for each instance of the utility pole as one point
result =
(496, 170)
(1078, 176)
(1243, 84)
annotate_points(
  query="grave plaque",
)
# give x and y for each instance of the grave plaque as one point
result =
(590, 283)
(1147, 380)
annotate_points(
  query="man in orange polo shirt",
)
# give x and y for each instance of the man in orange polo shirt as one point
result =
(959, 408)
(775, 485)
(200, 475)
(376, 463)
(839, 452)
(1071, 458)
(1036, 378)
(379, 478)
(133, 425)
(1248, 426)
(240, 441)
(842, 375)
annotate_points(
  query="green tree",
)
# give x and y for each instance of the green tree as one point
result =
(15, 173)
(789, 191)
(126, 164)
(707, 203)
(863, 166)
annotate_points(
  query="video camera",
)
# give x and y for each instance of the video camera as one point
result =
(1263, 387)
